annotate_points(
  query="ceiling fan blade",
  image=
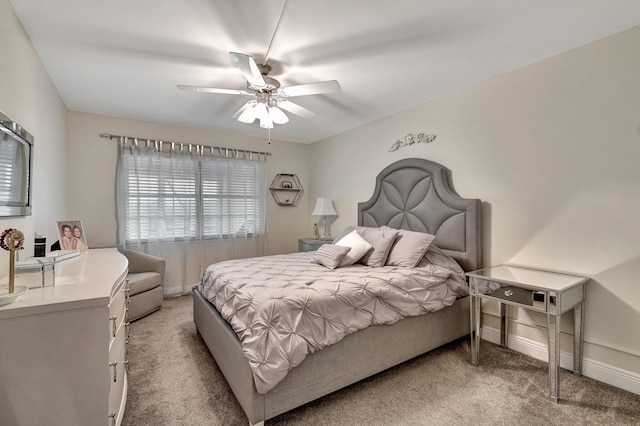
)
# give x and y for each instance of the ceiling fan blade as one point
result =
(245, 107)
(247, 65)
(295, 108)
(310, 89)
(213, 90)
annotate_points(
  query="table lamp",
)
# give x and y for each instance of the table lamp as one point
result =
(324, 208)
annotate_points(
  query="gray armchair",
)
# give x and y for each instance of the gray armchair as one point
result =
(146, 279)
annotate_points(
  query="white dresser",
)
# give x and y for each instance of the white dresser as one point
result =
(63, 348)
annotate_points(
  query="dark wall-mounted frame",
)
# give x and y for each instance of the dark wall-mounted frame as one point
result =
(286, 189)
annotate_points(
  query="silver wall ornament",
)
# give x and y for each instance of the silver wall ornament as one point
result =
(410, 139)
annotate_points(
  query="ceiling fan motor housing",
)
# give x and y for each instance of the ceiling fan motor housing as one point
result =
(271, 85)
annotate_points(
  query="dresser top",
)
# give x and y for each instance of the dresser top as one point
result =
(80, 282)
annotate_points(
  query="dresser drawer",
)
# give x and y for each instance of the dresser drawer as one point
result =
(117, 313)
(117, 373)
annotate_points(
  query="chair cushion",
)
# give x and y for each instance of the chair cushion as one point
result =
(143, 281)
(144, 303)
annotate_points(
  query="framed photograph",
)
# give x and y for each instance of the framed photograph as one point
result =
(287, 184)
(71, 236)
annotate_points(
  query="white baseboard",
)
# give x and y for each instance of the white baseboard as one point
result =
(597, 370)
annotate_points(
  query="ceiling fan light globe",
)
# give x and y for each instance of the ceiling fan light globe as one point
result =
(244, 107)
(248, 116)
(278, 116)
(261, 111)
(266, 122)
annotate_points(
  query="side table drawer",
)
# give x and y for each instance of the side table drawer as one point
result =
(520, 296)
(309, 244)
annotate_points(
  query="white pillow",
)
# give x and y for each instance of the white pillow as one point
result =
(359, 247)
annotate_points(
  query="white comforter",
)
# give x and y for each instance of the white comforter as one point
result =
(284, 307)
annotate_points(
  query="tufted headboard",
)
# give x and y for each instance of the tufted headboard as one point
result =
(417, 195)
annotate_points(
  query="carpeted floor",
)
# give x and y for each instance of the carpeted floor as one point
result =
(173, 380)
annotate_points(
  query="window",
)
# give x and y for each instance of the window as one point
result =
(185, 196)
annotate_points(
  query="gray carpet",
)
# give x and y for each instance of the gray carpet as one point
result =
(173, 380)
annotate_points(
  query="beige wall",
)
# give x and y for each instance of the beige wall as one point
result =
(553, 150)
(92, 171)
(28, 96)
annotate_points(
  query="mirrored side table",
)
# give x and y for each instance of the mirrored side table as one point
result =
(310, 244)
(547, 292)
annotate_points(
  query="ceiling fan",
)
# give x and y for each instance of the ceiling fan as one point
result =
(269, 97)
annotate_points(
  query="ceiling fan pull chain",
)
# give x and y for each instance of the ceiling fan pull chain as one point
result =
(266, 55)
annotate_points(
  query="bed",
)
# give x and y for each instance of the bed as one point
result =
(412, 194)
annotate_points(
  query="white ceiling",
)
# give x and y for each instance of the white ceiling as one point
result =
(124, 58)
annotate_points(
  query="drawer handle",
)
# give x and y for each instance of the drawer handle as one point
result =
(126, 365)
(126, 327)
(112, 417)
(126, 292)
(114, 364)
(508, 293)
(115, 320)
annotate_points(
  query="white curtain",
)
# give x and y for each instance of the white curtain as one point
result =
(190, 205)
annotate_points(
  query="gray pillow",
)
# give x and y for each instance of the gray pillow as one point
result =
(408, 248)
(330, 255)
(381, 240)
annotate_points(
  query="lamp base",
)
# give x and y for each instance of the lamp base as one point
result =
(325, 231)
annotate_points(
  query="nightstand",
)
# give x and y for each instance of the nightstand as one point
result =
(547, 292)
(310, 244)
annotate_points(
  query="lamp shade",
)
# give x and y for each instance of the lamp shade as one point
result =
(324, 207)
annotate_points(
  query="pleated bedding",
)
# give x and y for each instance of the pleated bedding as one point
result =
(284, 307)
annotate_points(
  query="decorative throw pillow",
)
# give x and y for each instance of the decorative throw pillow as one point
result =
(330, 255)
(409, 247)
(381, 241)
(358, 247)
(343, 233)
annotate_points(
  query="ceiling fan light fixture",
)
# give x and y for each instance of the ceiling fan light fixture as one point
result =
(261, 110)
(266, 122)
(277, 115)
(245, 107)
(248, 115)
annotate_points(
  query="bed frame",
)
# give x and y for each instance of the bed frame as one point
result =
(414, 194)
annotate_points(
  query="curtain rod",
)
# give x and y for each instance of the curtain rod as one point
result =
(119, 137)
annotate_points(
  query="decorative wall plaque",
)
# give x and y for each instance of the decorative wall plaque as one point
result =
(410, 139)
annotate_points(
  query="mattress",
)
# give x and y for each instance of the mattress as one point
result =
(284, 307)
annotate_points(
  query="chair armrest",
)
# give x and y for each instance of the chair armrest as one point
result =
(142, 262)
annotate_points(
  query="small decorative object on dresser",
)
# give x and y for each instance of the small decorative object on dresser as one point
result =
(71, 235)
(309, 244)
(11, 240)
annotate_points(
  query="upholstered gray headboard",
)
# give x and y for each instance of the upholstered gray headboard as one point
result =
(417, 195)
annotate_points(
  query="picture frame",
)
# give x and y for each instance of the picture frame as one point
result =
(71, 235)
(287, 184)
